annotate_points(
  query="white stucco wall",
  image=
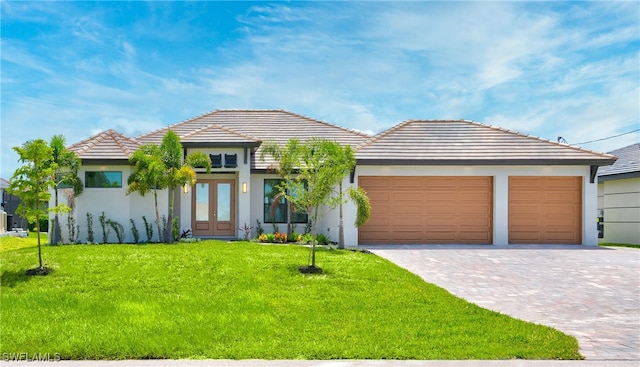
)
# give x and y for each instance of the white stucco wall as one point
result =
(115, 204)
(500, 176)
(620, 202)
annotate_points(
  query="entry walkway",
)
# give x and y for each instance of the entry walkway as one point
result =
(592, 293)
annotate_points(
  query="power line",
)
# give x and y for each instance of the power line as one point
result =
(610, 137)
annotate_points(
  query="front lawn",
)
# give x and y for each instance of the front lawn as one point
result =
(246, 301)
(618, 245)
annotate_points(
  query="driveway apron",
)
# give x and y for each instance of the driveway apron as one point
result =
(592, 293)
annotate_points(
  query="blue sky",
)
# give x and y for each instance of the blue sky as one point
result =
(548, 69)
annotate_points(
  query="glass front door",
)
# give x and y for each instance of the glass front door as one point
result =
(213, 208)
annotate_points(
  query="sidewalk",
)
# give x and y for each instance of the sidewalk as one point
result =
(338, 363)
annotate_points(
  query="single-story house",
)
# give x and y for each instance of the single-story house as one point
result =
(429, 182)
(619, 197)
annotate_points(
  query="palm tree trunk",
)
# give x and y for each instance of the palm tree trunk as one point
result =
(168, 238)
(56, 223)
(155, 198)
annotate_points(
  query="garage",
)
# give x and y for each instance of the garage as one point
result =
(428, 210)
(545, 210)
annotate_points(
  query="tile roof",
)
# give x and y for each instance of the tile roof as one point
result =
(107, 145)
(267, 125)
(4, 183)
(464, 142)
(216, 134)
(628, 161)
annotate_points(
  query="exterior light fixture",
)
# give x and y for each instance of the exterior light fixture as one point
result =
(185, 188)
(244, 187)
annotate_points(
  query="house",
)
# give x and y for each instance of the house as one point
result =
(447, 182)
(9, 205)
(619, 197)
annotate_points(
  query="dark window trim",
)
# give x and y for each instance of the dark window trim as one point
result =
(86, 180)
(298, 217)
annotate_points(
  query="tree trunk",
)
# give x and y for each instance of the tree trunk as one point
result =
(340, 226)
(314, 231)
(155, 198)
(56, 223)
(289, 209)
(39, 246)
(168, 237)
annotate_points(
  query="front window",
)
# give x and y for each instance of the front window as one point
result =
(275, 206)
(103, 179)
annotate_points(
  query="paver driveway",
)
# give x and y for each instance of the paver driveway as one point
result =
(590, 293)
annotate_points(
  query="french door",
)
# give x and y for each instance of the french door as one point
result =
(213, 208)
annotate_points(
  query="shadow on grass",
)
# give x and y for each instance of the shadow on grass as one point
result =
(10, 279)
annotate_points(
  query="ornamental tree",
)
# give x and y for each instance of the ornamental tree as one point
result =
(31, 183)
(323, 166)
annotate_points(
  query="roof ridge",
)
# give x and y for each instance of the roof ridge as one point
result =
(324, 122)
(178, 123)
(384, 133)
(533, 137)
(90, 142)
(223, 128)
(119, 137)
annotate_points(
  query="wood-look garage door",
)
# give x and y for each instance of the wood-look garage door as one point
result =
(428, 210)
(545, 210)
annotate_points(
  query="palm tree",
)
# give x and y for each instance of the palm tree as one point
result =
(161, 167)
(65, 165)
(148, 175)
(287, 161)
(179, 173)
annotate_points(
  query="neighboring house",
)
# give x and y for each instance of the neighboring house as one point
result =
(619, 197)
(447, 182)
(9, 205)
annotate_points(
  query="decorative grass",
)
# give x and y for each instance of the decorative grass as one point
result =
(246, 301)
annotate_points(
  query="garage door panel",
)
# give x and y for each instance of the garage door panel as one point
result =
(400, 183)
(404, 196)
(545, 210)
(430, 209)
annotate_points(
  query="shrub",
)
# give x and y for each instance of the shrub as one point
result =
(118, 228)
(280, 237)
(90, 238)
(295, 237)
(105, 227)
(134, 231)
(322, 239)
(259, 229)
(175, 229)
(73, 229)
(148, 227)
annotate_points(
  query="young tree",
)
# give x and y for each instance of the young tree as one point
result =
(324, 165)
(161, 167)
(31, 183)
(64, 174)
(287, 160)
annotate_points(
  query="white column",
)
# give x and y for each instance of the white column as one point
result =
(589, 211)
(501, 209)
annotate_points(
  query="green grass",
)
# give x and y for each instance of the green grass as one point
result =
(246, 301)
(619, 245)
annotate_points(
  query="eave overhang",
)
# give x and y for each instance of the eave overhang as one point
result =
(484, 162)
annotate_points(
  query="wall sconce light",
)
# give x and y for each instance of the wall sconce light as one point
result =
(244, 187)
(185, 188)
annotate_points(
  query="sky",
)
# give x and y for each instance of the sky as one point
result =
(547, 69)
